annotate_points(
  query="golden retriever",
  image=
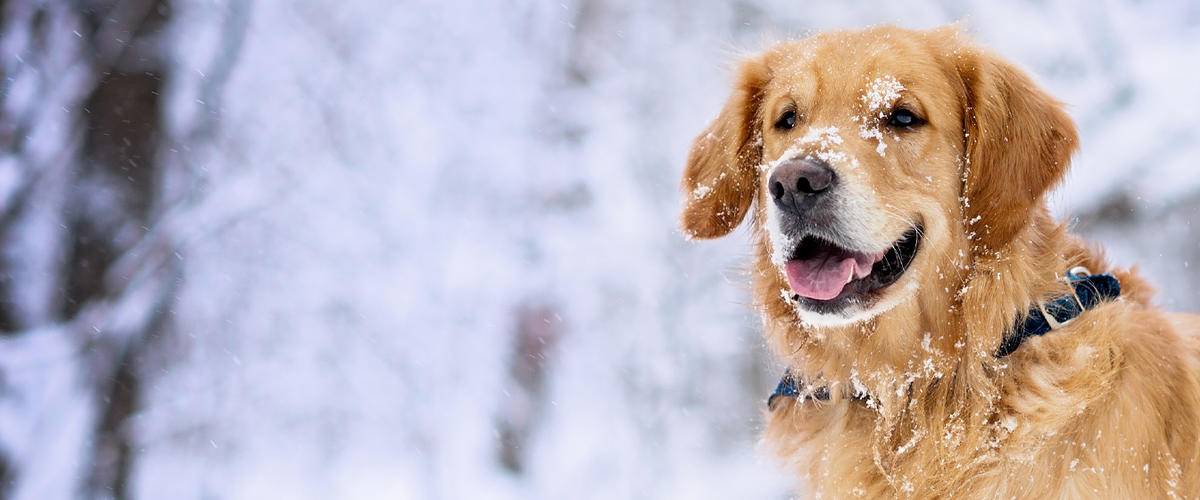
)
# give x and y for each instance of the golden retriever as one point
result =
(898, 182)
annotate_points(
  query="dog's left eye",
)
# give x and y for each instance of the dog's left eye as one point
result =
(903, 118)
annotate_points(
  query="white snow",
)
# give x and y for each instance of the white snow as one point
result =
(881, 94)
(388, 183)
(878, 99)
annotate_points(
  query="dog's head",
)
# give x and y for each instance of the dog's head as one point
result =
(876, 157)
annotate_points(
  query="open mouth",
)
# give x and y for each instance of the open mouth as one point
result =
(827, 276)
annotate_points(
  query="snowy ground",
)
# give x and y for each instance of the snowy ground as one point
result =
(397, 193)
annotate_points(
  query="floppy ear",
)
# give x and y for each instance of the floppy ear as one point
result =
(1019, 143)
(722, 169)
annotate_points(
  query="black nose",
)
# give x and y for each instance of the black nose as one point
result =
(796, 181)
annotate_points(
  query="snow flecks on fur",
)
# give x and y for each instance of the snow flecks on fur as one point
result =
(916, 437)
(788, 296)
(964, 200)
(1009, 423)
(702, 191)
(820, 143)
(781, 242)
(872, 132)
(825, 140)
(860, 389)
(881, 94)
(826, 136)
(726, 212)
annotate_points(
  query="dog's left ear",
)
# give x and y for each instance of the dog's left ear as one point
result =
(1019, 143)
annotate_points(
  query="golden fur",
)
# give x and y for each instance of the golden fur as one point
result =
(1108, 406)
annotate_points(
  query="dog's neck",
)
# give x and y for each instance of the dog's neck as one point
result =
(965, 309)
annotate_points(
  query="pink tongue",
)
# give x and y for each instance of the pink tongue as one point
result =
(824, 277)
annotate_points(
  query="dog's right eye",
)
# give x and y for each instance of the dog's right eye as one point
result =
(787, 121)
(903, 118)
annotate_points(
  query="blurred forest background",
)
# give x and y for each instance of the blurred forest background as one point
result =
(427, 249)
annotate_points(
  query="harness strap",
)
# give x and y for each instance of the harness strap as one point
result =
(1090, 290)
(791, 386)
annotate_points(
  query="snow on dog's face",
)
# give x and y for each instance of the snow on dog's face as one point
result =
(859, 149)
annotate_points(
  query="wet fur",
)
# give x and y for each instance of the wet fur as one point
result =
(1108, 406)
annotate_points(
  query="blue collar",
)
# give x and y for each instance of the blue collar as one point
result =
(790, 387)
(1089, 290)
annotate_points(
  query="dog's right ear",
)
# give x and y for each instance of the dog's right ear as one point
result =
(722, 169)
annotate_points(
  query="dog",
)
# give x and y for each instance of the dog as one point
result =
(944, 336)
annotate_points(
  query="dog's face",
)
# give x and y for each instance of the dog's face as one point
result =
(860, 166)
(878, 159)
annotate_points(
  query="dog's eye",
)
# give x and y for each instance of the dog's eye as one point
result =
(903, 118)
(787, 121)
